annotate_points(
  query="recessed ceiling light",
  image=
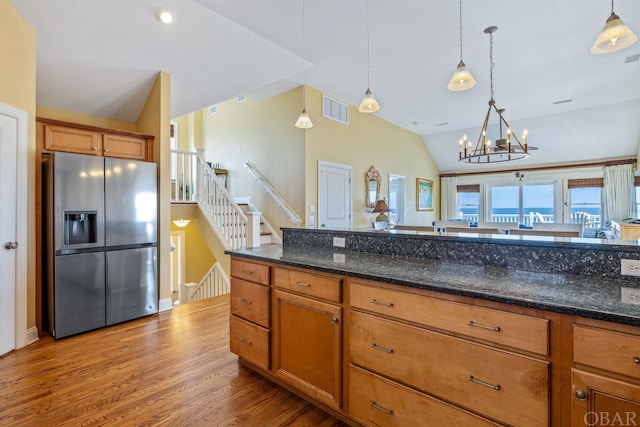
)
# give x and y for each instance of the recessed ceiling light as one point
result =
(164, 16)
(564, 101)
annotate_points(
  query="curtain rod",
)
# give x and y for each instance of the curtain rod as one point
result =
(541, 168)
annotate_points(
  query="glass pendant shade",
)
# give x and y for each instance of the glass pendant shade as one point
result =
(615, 35)
(369, 103)
(304, 121)
(462, 79)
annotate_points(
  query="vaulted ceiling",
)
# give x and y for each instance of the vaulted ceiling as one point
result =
(100, 57)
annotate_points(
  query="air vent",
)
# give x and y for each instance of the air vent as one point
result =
(241, 98)
(442, 124)
(213, 109)
(335, 110)
(564, 101)
(632, 58)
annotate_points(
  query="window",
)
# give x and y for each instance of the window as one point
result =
(469, 202)
(585, 201)
(522, 203)
(636, 183)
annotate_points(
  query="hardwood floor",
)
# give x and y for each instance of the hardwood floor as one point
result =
(169, 369)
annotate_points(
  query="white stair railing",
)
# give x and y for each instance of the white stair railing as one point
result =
(269, 188)
(214, 283)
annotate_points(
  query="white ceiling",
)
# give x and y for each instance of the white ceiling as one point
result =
(100, 57)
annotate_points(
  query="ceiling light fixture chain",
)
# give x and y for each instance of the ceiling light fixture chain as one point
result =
(460, 30)
(503, 150)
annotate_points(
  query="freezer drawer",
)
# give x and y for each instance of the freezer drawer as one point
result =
(78, 297)
(132, 284)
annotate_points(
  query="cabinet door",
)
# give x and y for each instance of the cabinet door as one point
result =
(307, 345)
(125, 147)
(602, 401)
(72, 140)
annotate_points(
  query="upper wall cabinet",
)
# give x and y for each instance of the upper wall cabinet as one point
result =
(94, 141)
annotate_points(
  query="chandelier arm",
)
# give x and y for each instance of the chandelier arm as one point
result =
(479, 145)
(513, 135)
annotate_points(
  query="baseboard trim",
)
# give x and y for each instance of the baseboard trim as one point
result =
(32, 335)
(165, 304)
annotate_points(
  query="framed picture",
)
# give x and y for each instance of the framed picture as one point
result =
(424, 194)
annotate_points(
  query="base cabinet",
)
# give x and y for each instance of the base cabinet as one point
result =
(602, 401)
(308, 345)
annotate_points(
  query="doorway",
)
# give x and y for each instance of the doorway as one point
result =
(13, 233)
(334, 195)
(397, 198)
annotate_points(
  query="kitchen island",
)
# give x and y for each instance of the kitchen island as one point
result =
(434, 329)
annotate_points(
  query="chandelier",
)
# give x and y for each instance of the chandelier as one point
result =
(504, 149)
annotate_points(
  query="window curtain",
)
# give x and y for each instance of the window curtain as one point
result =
(618, 193)
(449, 198)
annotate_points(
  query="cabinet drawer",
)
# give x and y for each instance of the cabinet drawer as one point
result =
(250, 301)
(72, 140)
(504, 386)
(376, 401)
(613, 351)
(500, 327)
(249, 341)
(325, 287)
(257, 273)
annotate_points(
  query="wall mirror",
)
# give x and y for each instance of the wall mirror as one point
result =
(372, 182)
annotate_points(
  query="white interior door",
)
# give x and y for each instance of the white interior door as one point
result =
(334, 195)
(8, 242)
(397, 198)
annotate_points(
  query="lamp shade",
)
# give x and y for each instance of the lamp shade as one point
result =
(304, 121)
(369, 103)
(462, 79)
(380, 208)
(614, 36)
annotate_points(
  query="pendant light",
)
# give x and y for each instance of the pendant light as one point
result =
(614, 36)
(369, 103)
(304, 121)
(462, 78)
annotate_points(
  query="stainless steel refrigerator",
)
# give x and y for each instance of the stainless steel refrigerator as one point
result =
(100, 241)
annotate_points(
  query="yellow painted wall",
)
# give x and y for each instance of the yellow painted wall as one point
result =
(18, 89)
(84, 119)
(155, 120)
(261, 132)
(368, 140)
(198, 257)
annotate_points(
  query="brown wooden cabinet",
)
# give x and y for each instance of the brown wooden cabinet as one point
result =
(308, 335)
(97, 142)
(250, 312)
(381, 354)
(605, 377)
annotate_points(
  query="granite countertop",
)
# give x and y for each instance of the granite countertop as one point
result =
(596, 298)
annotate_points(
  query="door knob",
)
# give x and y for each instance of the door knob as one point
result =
(11, 245)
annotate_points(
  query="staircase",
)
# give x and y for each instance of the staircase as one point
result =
(266, 235)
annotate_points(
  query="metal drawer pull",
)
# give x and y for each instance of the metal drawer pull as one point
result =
(477, 325)
(377, 347)
(636, 359)
(246, 271)
(380, 408)
(243, 341)
(306, 285)
(473, 380)
(387, 304)
(246, 301)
